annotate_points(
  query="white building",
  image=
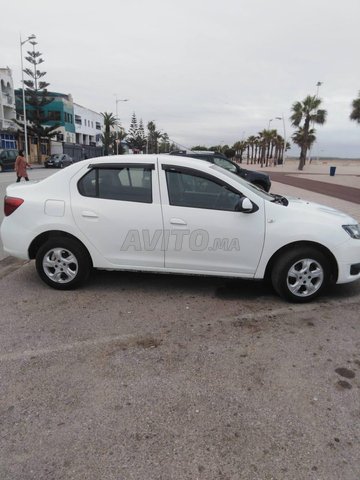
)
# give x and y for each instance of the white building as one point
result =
(88, 126)
(7, 100)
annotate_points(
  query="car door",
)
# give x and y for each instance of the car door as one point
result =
(203, 230)
(117, 207)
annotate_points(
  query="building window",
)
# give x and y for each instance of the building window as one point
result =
(54, 116)
(98, 126)
(68, 117)
(7, 141)
(78, 120)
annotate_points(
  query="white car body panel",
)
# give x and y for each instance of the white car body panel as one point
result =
(106, 223)
(101, 225)
(246, 231)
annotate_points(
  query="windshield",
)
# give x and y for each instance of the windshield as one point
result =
(241, 181)
(55, 156)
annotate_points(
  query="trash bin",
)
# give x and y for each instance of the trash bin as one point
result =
(332, 171)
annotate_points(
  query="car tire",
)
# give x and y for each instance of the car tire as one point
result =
(63, 263)
(301, 275)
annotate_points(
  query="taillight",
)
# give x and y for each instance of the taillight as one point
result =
(11, 204)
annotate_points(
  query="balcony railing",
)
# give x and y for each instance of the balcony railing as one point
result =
(7, 99)
(7, 124)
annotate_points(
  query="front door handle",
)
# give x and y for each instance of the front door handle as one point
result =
(177, 221)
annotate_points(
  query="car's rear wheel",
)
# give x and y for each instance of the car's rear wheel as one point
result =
(63, 263)
(301, 275)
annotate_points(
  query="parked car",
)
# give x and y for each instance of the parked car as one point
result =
(58, 160)
(178, 215)
(7, 159)
(261, 180)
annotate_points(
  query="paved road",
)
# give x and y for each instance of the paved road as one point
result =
(349, 194)
(142, 376)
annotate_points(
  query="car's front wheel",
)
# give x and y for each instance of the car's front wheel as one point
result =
(301, 275)
(63, 263)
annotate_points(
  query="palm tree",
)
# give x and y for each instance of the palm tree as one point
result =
(304, 139)
(309, 113)
(110, 121)
(165, 142)
(251, 141)
(239, 148)
(355, 114)
(153, 137)
(265, 143)
(118, 137)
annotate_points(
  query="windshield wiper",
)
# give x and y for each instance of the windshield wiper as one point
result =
(279, 199)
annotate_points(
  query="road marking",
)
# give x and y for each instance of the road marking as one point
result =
(120, 340)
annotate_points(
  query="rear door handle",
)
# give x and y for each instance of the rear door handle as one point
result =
(89, 214)
(177, 221)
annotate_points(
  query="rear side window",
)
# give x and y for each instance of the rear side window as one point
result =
(129, 184)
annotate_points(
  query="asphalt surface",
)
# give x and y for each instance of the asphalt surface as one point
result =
(141, 376)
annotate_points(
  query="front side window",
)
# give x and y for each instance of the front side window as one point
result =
(197, 191)
(129, 184)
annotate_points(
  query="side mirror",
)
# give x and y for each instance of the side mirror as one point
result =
(244, 205)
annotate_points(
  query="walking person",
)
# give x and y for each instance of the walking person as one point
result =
(20, 166)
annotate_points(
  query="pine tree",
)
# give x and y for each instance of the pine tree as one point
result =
(37, 97)
(132, 135)
(141, 138)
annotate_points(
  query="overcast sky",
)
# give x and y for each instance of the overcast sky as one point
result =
(206, 71)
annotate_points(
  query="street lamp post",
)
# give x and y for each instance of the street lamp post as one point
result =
(283, 119)
(117, 100)
(31, 37)
(318, 85)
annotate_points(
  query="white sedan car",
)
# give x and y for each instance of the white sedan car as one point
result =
(180, 215)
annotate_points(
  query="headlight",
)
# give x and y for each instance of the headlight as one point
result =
(353, 230)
